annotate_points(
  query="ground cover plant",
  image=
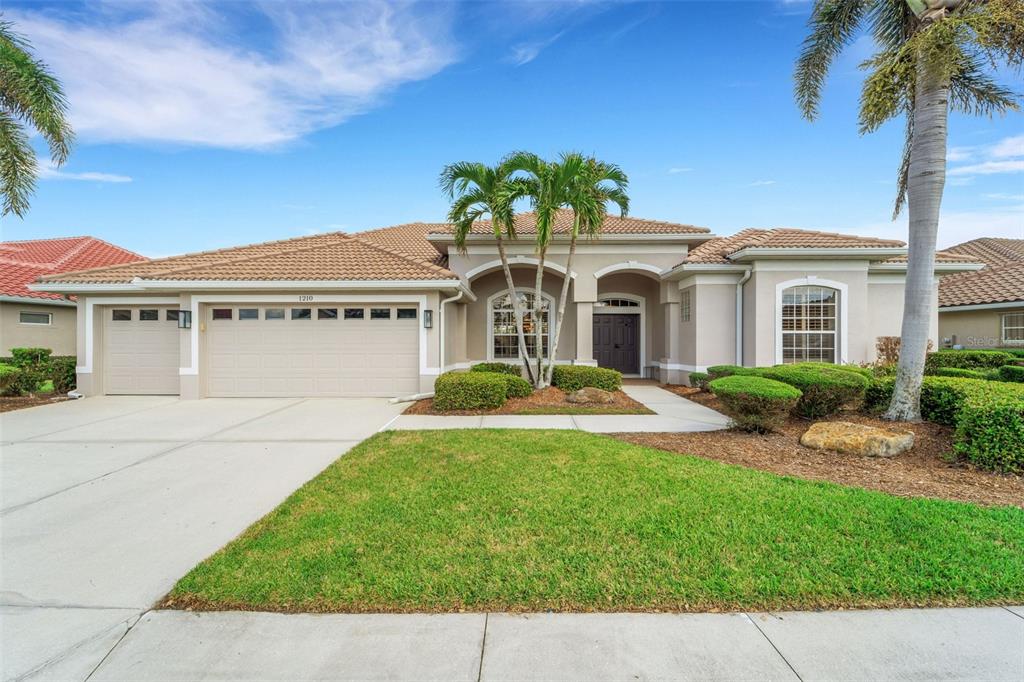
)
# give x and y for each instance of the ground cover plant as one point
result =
(569, 521)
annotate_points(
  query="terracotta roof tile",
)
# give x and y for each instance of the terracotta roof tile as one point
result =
(717, 250)
(992, 250)
(526, 223)
(23, 261)
(410, 238)
(1001, 281)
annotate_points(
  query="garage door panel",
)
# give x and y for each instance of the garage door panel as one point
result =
(140, 356)
(328, 357)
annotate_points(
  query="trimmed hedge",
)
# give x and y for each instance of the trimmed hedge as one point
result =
(62, 371)
(698, 380)
(755, 403)
(988, 416)
(498, 368)
(719, 371)
(960, 373)
(571, 378)
(967, 359)
(515, 387)
(1012, 373)
(825, 388)
(1015, 352)
(470, 391)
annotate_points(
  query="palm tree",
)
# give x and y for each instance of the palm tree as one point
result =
(932, 55)
(29, 95)
(593, 185)
(477, 191)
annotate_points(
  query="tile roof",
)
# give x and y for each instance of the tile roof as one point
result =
(717, 250)
(23, 261)
(1001, 281)
(526, 223)
(410, 238)
(330, 257)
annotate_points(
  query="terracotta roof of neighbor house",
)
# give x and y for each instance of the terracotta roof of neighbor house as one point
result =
(526, 223)
(717, 250)
(24, 261)
(329, 257)
(1001, 281)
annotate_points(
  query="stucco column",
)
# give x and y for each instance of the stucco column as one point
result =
(584, 334)
(670, 362)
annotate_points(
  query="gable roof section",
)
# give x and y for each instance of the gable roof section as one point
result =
(1001, 281)
(526, 223)
(22, 262)
(333, 256)
(718, 250)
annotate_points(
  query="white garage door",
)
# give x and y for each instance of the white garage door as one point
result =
(348, 350)
(140, 350)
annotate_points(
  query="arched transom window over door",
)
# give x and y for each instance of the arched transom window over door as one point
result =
(504, 339)
(809, 324)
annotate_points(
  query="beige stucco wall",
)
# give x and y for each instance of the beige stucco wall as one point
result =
(974, 328)
(59, 336)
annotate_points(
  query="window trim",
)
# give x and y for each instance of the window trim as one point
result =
(284, 314)
(489, 321)
(842, 314)
(1003, 327)
(248, 319)
(374, 310)
(292, 318)
(131, 315)
(48, 323)
(155, 311)
(214, 318)
(361, 316)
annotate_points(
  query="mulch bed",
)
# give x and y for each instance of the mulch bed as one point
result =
(925, 471)
(546, 398)
(10, 403)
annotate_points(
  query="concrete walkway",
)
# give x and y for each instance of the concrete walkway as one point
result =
(673, 414)
(966, 644)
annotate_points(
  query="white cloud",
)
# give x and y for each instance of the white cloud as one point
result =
(955, 227)
(678, 169)
(1005, 156)
(761, 183)
(47, 171)
(1009, 147)
(990, 168)
(1002, 196)
(524, 53)
(175, 72)
(959, 153)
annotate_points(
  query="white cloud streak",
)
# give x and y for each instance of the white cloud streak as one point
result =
(989, 168)
(524, 53)
(761, 183)
(170, 72)
(1005, 156)
(47, 171)
(679, 169)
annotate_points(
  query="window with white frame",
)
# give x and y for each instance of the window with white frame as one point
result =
(1013, 328)
(32, 317)
(684, 306)
(809, 315)
(504, 338)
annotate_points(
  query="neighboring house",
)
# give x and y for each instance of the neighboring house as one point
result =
(985, 309)
(36, 319)
(383, 312)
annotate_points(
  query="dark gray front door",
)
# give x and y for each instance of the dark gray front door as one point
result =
(616, 342)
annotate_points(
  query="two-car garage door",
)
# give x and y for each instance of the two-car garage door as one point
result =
(312, 350)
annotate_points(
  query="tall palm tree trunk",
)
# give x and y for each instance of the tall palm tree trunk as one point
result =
(517, 309)
(538, 327)
(925, 182)
(562, 300)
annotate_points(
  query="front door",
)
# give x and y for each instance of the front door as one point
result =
(616, 343)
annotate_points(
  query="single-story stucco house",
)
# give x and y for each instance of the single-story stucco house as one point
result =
(383, 312)
(39, 319)
(985, 309)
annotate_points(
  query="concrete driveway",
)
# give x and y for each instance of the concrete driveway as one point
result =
(106, 502)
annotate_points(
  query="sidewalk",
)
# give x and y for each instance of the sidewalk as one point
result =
(673, 414)
(985, 643)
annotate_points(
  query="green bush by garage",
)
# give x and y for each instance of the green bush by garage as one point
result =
(571, 378)
(470, 390)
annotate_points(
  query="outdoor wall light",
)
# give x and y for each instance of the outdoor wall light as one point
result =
(428, 319)
(184, 319)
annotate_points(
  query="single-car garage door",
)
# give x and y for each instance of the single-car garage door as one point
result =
(321, 350)
(140, 350)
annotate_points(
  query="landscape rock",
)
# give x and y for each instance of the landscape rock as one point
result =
(856, 439)
(590, 395)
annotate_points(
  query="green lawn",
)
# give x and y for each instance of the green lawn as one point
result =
(535, 520)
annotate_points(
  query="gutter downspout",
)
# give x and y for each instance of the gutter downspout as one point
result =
(739, 316)
(441, 322)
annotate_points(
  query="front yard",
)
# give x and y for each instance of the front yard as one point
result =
(568, 521)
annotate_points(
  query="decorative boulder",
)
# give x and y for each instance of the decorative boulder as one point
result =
(856, 439)
(590, 395)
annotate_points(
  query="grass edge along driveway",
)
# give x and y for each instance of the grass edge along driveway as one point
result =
(428, 521)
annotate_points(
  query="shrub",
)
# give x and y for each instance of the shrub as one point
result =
(571, 378)
(34, 364)
(10, 380)
(62, 371)
(498, 368)
(961, 373)
(825, 388)
(1013, 373)
(698, 380)
(887, 348)
(754, 403)
(719, 371)
(967, 359)
(469, 391)
(515, 387)
(865, 372)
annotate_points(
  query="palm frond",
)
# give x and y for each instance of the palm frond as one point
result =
(833, 25)
(17, 166)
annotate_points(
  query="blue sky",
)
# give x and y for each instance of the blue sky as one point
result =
(202, 125)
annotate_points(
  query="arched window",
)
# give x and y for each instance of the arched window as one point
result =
(809, 324)
(504, 341)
